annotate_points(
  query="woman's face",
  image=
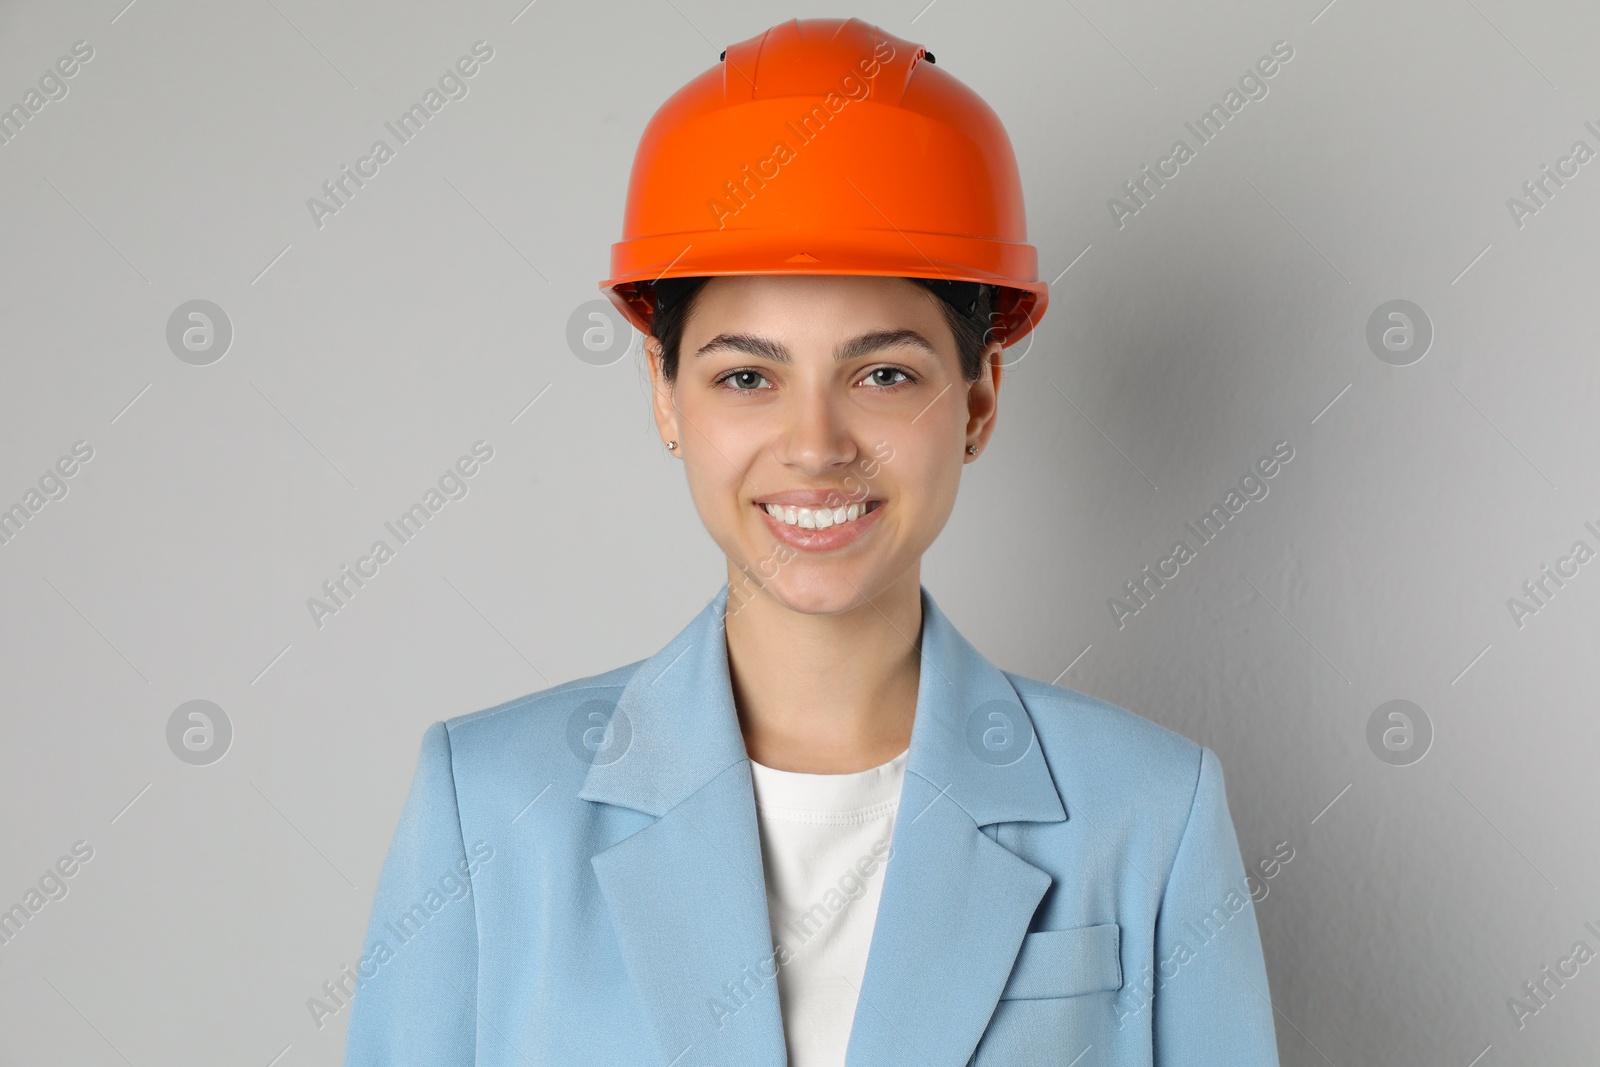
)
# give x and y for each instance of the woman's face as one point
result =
(813, 393)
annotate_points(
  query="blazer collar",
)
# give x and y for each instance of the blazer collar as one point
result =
(687, 893)
(681, 730)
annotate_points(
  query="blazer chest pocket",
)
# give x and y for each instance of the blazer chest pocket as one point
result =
(1067, 963)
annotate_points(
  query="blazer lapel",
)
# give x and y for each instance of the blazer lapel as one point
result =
(687, 894)
(955, 904)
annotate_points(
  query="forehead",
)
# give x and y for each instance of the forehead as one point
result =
(823, 308)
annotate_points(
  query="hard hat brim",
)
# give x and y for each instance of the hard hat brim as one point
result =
(873, 253)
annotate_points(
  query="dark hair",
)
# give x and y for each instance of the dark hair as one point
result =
(971, 330)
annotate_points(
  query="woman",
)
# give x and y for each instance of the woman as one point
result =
(819, 826)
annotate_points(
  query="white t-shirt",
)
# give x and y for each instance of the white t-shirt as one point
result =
(824, 845)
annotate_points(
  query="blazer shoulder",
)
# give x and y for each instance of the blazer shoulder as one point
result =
(514, 720)
(1086, 738)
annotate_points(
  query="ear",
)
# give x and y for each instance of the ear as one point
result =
(983, 399)
(661, 404)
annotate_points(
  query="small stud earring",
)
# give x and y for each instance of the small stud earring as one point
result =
(672, 444)
(972, 450)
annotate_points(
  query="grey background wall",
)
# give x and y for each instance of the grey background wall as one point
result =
(217, 487)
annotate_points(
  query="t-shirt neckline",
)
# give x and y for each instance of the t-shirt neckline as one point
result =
(853, 792)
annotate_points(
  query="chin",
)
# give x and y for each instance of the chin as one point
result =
(826, 590)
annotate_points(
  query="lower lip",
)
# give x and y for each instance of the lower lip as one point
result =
(820, 540)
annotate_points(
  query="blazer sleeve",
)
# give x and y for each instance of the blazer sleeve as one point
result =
(416, 997)
(1211, 1006)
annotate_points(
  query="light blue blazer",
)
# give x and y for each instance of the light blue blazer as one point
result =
(1064, 885)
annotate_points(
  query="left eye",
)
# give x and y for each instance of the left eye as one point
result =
(873, 376)
(743, 380)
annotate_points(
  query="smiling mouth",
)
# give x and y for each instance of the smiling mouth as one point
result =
(807, 518)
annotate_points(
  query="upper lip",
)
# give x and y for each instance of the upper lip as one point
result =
(815, 498)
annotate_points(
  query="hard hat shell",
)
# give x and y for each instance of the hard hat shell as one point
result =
(827, 146)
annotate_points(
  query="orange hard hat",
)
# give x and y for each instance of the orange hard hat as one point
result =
(826, 146)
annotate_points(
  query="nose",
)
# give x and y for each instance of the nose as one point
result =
(815, 437)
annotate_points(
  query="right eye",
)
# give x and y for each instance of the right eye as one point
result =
(742, 380)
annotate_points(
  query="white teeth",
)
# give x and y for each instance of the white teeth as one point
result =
(815, 518)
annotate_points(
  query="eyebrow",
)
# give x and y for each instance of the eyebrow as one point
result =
(851, 349)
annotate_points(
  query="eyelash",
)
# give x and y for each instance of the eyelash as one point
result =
(908, 379)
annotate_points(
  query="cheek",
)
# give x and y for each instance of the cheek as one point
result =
(923, 469)
(717, 457)
(714, 480)
(940, 485)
